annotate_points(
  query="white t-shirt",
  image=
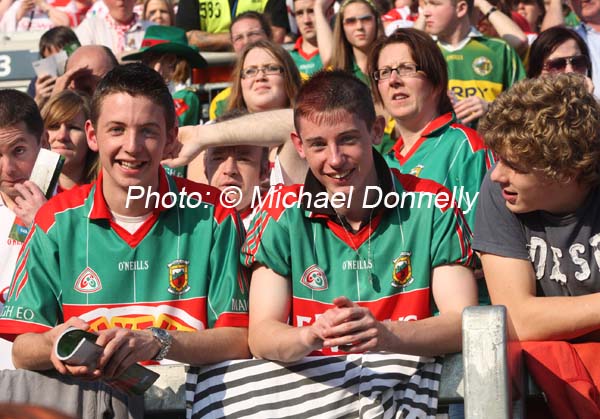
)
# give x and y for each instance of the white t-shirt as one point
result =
(9, 251)
(592, 39)
(96, 30)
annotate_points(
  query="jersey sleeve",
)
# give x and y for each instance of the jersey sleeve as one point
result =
(516, 71)
(268, 244)
(188, 15)
(497, 229)
(451, 240)
(228, 288)
(470, 172)
(33, 303)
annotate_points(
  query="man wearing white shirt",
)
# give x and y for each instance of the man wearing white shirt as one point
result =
(120, 30)
(21, 134)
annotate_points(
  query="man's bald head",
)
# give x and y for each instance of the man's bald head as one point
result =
(98, 59)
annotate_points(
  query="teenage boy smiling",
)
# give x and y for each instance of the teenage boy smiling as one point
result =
(185, 297)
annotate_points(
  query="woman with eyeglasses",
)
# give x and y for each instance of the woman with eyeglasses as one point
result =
(264, 78)
(357, 26)
(409, 78)
(559, 50)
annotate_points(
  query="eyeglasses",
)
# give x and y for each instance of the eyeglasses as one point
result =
(403, 70)
(353, 20)
(270, 69)
(579, 63)
(248, 35)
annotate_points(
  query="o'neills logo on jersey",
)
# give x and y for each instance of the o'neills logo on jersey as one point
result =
(178, 277)
(402, 272)
(88, 281)
(314, 278)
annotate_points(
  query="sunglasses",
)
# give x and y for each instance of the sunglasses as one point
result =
(353, 20)
(579, 63)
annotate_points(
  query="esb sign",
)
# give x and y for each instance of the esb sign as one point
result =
(16, 65)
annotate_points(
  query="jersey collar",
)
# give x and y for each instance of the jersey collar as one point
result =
(431, 130)
(312, 186)
(303, 54)
(473, 33)
(100, 209)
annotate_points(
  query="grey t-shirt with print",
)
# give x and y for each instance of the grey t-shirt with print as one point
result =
(564, 250)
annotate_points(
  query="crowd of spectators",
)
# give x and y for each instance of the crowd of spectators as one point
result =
(490, 102)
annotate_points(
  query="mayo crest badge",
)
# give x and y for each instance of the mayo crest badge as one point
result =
(178, 277)
(402, 272)
(314, 278)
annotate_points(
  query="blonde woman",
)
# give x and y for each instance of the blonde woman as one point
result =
(357, 27)
(64, 117)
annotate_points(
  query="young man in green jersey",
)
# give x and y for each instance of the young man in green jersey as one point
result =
(479, 67)
(306, 51)
(147, 276)
(335, 271)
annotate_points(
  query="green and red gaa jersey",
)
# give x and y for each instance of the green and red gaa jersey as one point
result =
(307, 64)
(179, 271)
(385, 266)
(483, 67)
(451, 154)
(187, 107)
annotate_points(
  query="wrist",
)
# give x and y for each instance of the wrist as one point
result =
(310, 340)
(163, 339)
(490, 11)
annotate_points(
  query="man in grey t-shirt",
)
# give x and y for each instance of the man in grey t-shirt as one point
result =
(537, 226)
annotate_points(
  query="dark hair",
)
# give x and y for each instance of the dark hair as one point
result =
(15, 107)
(135, 79)
(547, 42)
(327, 93)
(427, 56)
(265, 24)
(59, 37)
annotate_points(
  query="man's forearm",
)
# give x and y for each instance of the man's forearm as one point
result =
(31, 351)
(554, 318)
(209, 346)
(267, 129)
(278, 341)
(209, 41)
(428, 337)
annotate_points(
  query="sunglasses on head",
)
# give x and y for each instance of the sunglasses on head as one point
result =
(579, 63)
